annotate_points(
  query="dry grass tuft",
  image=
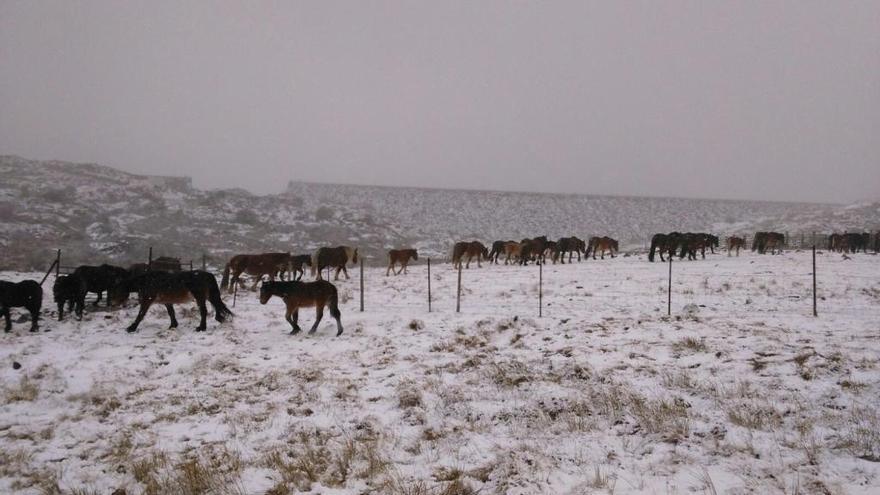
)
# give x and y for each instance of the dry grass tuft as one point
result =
(26, 391)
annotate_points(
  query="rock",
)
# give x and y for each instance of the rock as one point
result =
(16, 365)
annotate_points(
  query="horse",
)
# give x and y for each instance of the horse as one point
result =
(602, 244)
(661, 243)
(734, 242)
(568, 245)
(533, 250)
(26, 294)
(335, 257)
(857, 241)
(70, 289)
(256, 265)
(401, 256)
(295, 295)
(497, 250)
(512, 252)
(691, 242)
(170, 289)
(296, 266)
(764, 240)
(469, 249)
(101, 278)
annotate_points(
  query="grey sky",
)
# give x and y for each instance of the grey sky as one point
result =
(758, 100)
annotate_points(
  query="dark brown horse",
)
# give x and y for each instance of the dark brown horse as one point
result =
(303, 295)
(173, 288)
(26, 294)
(768, 240)
(297, 262)
(734, 242)
(101, 278)
(401, 256)
(602, 244)
(70, 289)
(568, 245)
(469, 249)
(533, 250)
(333, 257)
(256, 265)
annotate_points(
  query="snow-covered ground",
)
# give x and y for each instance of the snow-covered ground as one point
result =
(742, 390)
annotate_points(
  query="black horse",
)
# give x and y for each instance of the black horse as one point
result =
(70, 289)
(170, 289)
(664, 243)
(101, 278)
(25, 294)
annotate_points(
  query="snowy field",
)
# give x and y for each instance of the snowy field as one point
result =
(740, 391)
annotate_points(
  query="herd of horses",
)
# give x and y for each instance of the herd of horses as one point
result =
(164, 282)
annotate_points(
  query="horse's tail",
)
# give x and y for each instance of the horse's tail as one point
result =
(653, 250)
(221, 312)
(225, 280)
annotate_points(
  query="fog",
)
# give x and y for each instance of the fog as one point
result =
(750, 100)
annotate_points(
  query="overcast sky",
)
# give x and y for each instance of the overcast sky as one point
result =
(734, 99)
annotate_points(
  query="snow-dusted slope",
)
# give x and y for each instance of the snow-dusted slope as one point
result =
(96, 213)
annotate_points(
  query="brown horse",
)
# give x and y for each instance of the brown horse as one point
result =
(734, 242)
(768, 240)
(295, 267)
(602, 244)
(401, 256)
(157, 287)
(512, 252)
(302, 295)
(256, 265)
(497, 250)
(335, 257)
(469, 249)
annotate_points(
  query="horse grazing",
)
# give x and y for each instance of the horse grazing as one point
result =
(170, 289)
(256, 265)
(70, 289)
(568, 245)
(734, 242)
(401, 256)
(469, 249)
(302, 295)
(497, 250)
(768, 240)
(602, 244)
(333, 257)
(101, 278)
(26, 294)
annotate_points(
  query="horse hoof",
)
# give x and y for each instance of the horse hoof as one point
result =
(339, 333)
(131, 330)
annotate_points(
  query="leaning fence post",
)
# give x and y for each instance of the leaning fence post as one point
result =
(540, 290)
(57, 263)
(815, 312)
(150, 259)
(429, 285)
(234, 292)
(458, 292)
(669, 290)
(362, 284)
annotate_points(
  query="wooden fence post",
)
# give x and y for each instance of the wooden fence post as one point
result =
(429, 285)
(362, 284)
(669, 290)
(190, 265)
(540, 290)
(234, 292)
(150, 259)
(57, 263)
(204, 263)
(458, 292)
(815, 312)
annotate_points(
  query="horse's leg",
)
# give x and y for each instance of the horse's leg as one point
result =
(319, 313)
(388, 271)
(5, 312)
(171, 315)
(98, 299)
(35, 317)
(61, 311)
(345, 271)
(294, 321)
(257, 280)
(145, 305)
(334, 312)
(203, 312)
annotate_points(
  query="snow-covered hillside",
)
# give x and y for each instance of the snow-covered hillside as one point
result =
(96, 214)
(742, 390)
